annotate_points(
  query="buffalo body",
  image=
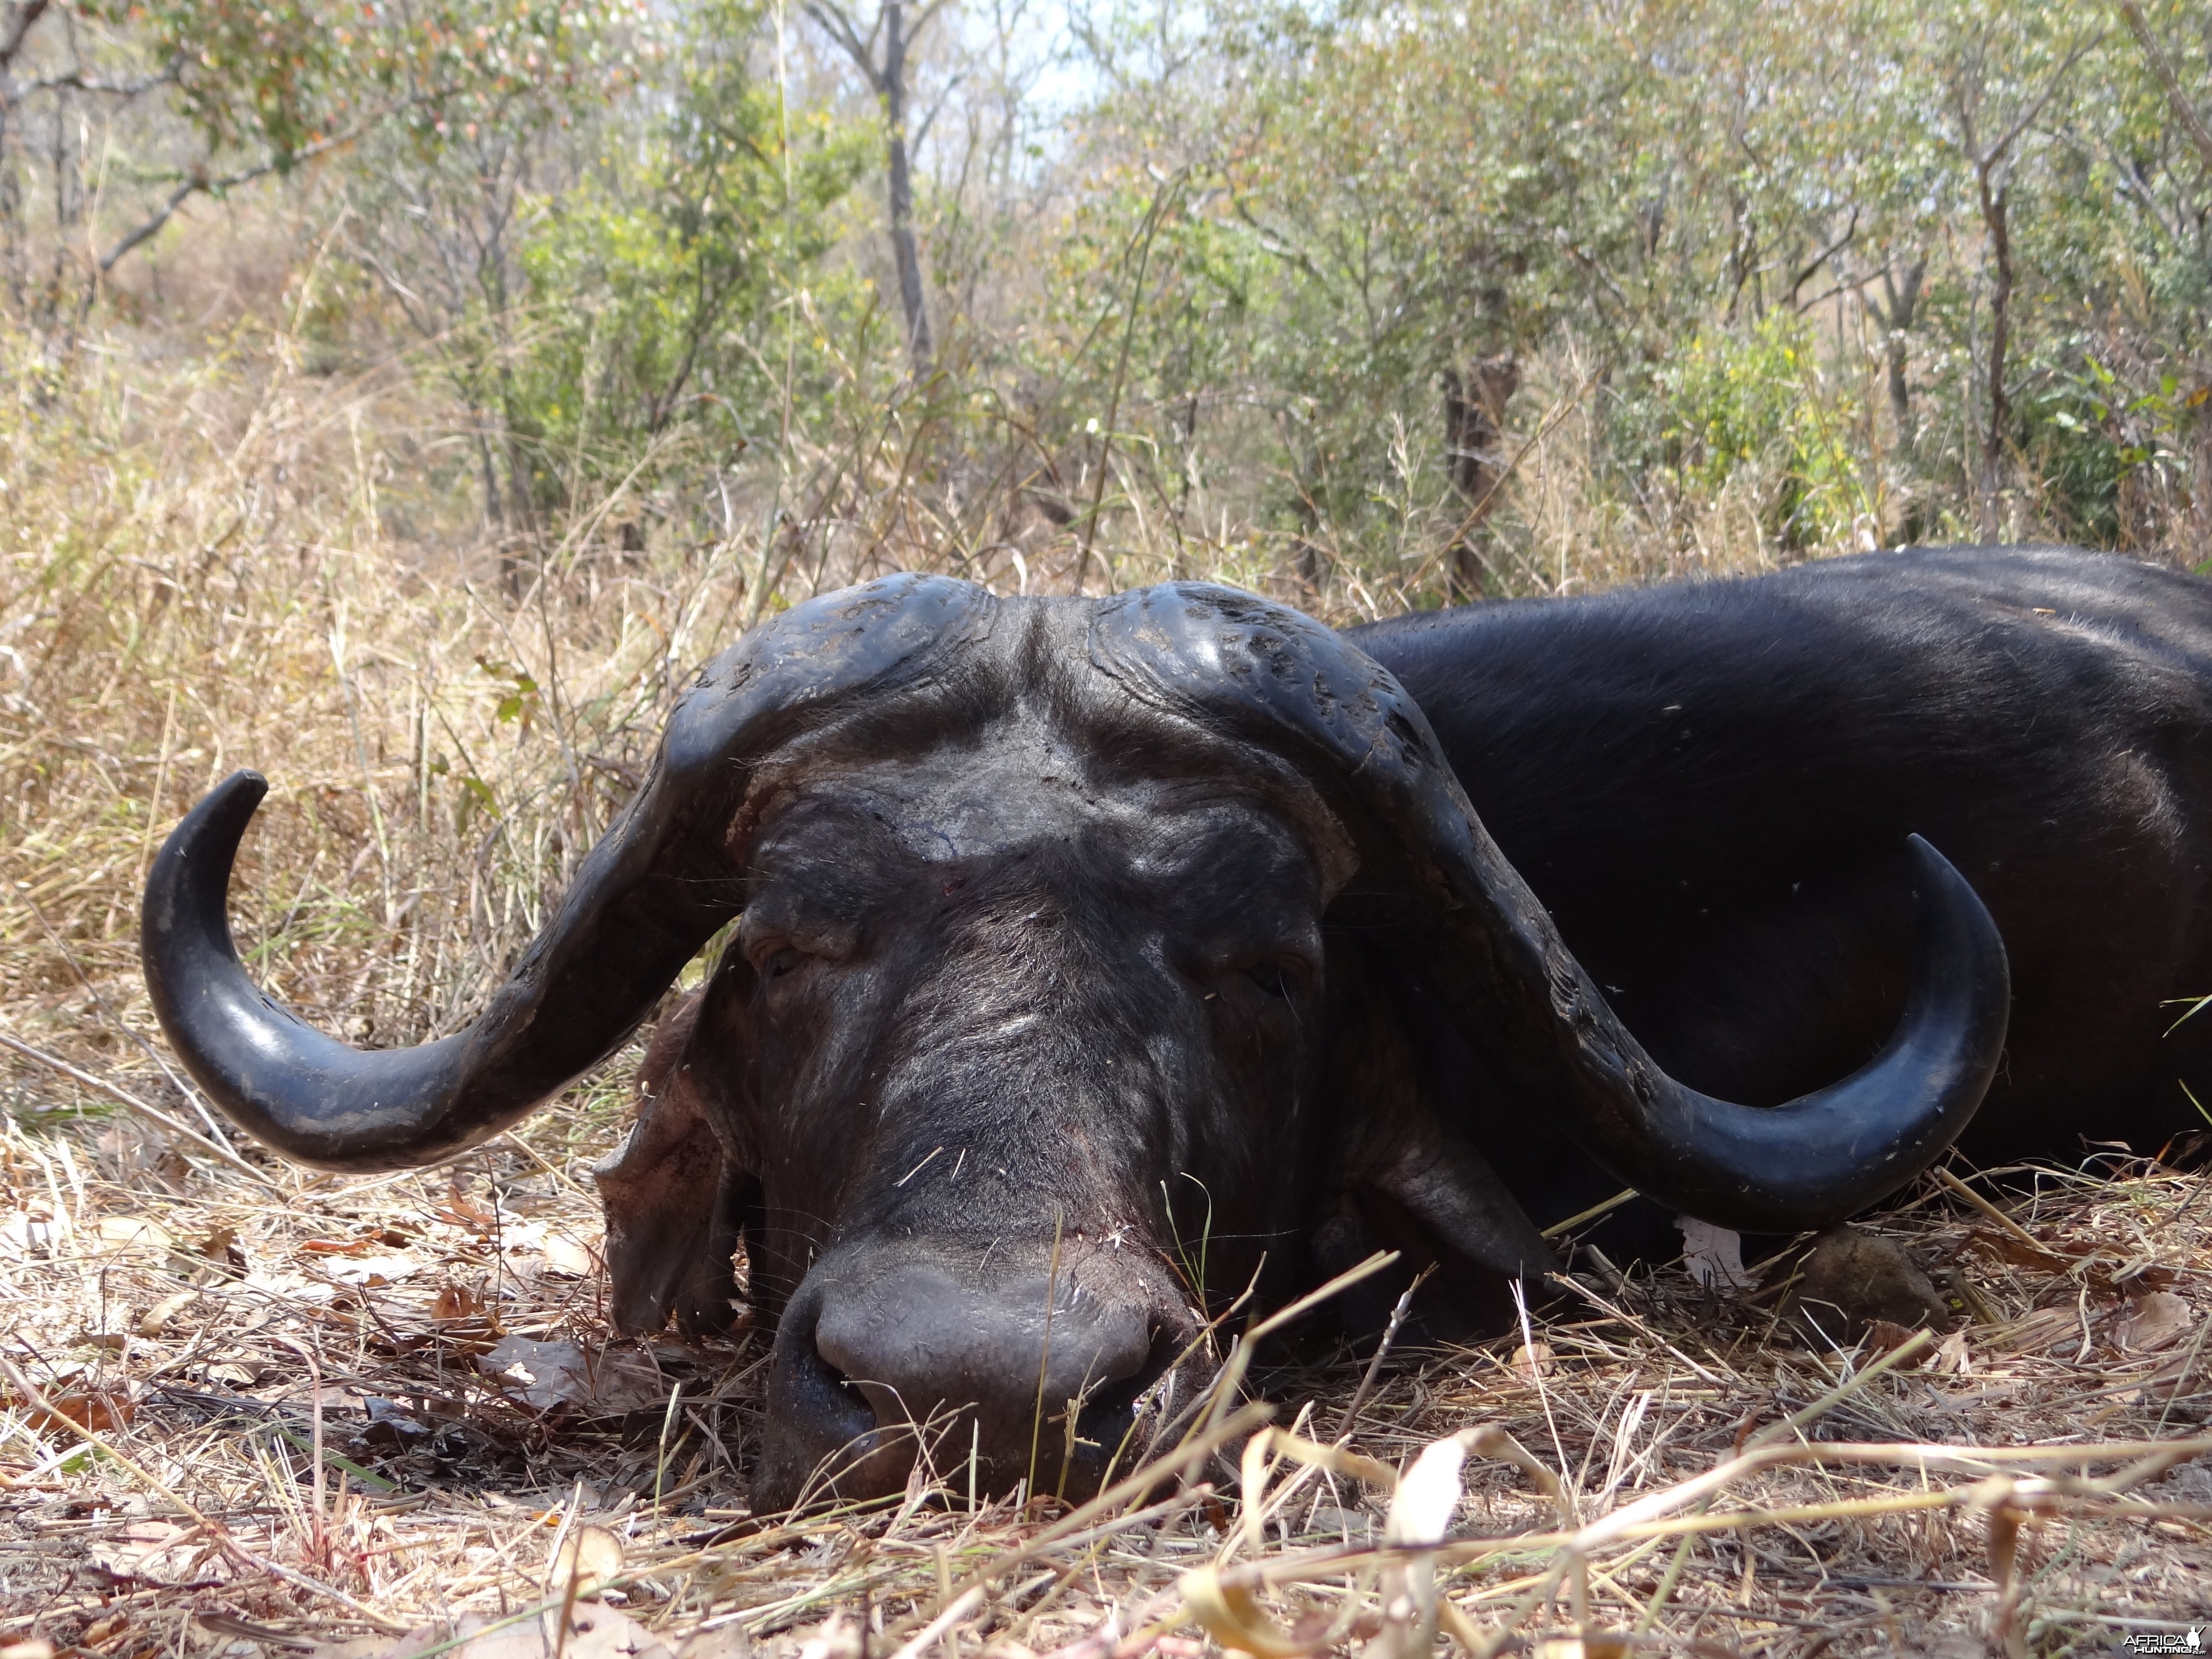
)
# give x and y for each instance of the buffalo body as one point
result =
(1095, 960)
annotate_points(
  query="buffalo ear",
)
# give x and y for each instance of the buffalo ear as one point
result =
(1409, 1177)
(673, 1199)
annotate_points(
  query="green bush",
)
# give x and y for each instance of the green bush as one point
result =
(1753, 403)
(652, 282)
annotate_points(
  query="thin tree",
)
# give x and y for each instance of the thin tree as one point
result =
(886, 74)
(2162, 67)
(1992, 156)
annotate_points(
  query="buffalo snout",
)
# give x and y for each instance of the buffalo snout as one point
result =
(955, 1353)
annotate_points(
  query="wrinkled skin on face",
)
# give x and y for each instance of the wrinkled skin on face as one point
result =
(1015, 1063)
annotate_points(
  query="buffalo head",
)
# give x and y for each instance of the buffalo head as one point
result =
(1092, 959)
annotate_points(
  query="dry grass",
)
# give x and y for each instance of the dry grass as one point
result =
(182, 1341)
(233, 563)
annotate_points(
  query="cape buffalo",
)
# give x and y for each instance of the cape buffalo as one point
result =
(1093, 957)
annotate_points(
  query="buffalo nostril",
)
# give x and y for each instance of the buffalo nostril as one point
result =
(825, 1432)
(1108, 1417)
(968, 1370)
(835, 1407)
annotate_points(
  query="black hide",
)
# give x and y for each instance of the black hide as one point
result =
(1032, 1005)
(1708, 784)
(1096, 960)
(1044, 989)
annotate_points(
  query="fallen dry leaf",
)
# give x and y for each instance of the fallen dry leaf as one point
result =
(460, 1210)
(128, 1232)
(1883, 1335)
(220, 1246)
(591, 1555)
(155, 1319)
(125, 1153)
(455, 1302)
(2004, 1247)
(728, 1641)
(551, 1375)
(2155, 1320)
(1713, 1255)
(564, 1254)
(1951, 1358)
(595, 1632)
(160, 1552)
(381, 1268)
(100, 1412)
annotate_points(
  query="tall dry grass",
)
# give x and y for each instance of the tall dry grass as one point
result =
(226, 560)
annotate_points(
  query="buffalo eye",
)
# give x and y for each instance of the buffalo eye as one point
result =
(781, 961)
(1274, 979)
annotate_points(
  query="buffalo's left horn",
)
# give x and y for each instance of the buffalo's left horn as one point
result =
(1519, 997)
(650, 894)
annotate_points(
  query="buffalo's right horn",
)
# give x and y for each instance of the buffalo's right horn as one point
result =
(1520, 997)
(649, 895)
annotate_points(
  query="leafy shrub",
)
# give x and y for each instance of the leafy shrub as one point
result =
(1752, 405)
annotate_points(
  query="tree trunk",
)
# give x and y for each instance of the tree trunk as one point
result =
(1996, 205)
(1743, 254)
(1475, 413)
(905, 255)
(1904, 298)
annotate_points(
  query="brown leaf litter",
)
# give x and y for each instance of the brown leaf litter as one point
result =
(383, 1417)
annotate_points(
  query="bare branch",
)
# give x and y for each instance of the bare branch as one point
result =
(200, 182)
(20, 19)
(2162, 66)
(1805, 274)
(1994, 157)
(160, 216)
(77, 81)
(839, 27)
(921, 133)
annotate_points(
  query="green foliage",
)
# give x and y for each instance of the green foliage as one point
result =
(1706, 202)
(2085, 434)
(1749, 252)
(286, 77)
(652, 277)
(1754, 403)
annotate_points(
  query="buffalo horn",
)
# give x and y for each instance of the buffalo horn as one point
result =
(650, 894)
(1227, 659)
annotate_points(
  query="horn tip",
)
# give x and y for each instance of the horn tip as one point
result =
(245, 783)
(215, 824)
